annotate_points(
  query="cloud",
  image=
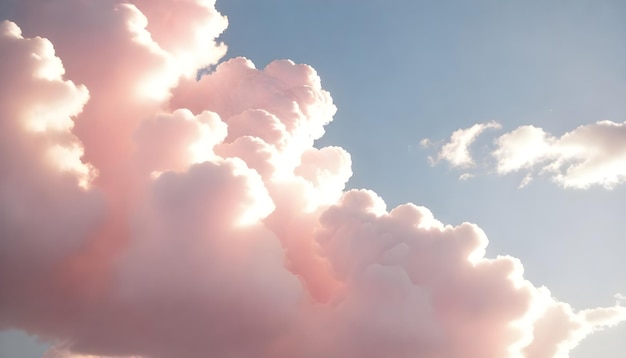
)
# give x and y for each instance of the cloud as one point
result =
(456, 151)
(144, 213)
(592, 154)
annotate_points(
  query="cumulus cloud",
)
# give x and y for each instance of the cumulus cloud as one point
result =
(592, 154)
(457, 150)
(144, 213)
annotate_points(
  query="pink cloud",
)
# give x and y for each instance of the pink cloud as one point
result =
(147, 214)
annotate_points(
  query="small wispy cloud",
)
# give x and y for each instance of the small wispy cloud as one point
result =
(590, 155)
(457, 150)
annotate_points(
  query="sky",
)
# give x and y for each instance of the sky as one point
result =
(505, 114)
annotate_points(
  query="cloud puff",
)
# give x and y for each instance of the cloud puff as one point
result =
(144, 213)
(456, 150)
(592, 154)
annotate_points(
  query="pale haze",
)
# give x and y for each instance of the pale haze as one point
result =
(319, 178)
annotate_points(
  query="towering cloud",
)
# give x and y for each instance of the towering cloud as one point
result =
(144, 213)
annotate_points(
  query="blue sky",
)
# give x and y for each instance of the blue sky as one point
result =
(401, 71)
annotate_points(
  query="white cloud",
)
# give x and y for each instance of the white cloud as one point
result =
(520, 148)
(456, 150)
(593, 154)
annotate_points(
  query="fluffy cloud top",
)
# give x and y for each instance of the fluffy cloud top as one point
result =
(592, 154)
(147, 214)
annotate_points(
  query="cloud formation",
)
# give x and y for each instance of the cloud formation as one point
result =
(592, 154)
(144, 213)
(457, 150)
